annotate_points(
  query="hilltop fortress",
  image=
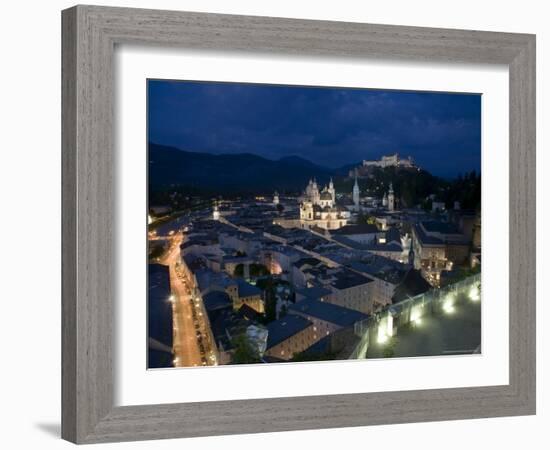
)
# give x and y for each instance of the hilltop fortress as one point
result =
(390, 161)
(386, 161)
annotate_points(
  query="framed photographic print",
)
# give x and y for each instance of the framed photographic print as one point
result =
(268, 222)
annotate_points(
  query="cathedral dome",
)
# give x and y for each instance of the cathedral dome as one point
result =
(325, 195)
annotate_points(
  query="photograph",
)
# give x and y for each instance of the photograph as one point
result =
(299, 224)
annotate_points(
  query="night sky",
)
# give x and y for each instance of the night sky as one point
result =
(329, 126)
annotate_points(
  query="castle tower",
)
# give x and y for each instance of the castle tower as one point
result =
(356, 192)
(391, 199)
(216, 212)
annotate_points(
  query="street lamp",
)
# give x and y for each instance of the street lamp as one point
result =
(448, 306)
(474, 293)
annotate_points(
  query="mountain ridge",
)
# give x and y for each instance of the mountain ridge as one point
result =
(239, 172)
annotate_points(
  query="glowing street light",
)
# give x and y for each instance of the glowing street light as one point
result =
(448, 304)
(448, 307)
(416, 314)
(474, 294)
(382, 335)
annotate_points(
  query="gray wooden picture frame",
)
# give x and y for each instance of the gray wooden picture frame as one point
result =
(90, 34)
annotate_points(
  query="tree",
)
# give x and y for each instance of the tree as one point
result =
(408, 193)
(268, 287)
(280, 208)
(155, 251)
(244, 353)
(255, 270)
(364, 219)
(427, 204)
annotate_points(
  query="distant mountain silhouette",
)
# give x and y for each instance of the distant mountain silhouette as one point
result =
(344, 170)
(301, 162)
(242, 172)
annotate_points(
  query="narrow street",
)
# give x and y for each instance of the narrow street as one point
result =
(189, 325)
(186, 347)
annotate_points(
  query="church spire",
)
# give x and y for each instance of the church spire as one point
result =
(356, 185)
(356, 193)
(332, 191)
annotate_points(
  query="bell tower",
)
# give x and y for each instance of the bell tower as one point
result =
(391, 198)
(332, 191)
(216, 212)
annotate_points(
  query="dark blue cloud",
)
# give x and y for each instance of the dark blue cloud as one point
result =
(329, 126)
